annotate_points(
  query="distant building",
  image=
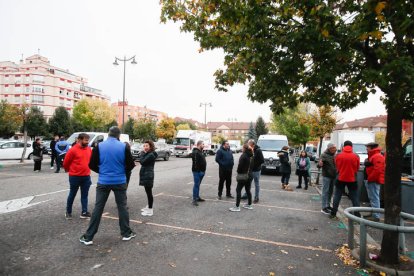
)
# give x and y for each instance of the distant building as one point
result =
(137, 112)
(229, 130)
(194, 122)
(376, 124)
(34, 81)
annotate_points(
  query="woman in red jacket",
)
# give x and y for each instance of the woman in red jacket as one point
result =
(375, 169)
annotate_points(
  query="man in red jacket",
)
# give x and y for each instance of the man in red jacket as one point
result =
(375, 170)
(77, 164)
(347, 165)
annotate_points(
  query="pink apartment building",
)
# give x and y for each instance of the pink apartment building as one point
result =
(136, 112)
(34, 81)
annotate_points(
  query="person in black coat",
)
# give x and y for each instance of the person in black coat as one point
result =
(37, 155)
(246, 163)
(146, 174)
(52, 146)
(285, 168)
(198, 168)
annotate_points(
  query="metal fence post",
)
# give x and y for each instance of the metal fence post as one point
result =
(403, 249)
(362, 244)
(350, 234)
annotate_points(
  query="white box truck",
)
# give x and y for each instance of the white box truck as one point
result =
(270, 146)
(358, 138)
(186, 140)
(235, 146)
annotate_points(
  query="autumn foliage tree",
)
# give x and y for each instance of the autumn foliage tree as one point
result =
(166, 129)
(93, 114)
(10, 119)
(322, 121)
(324, 52)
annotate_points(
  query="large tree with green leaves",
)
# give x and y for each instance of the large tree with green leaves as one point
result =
(128, 128)
(261, 127)
(94, 114)
(36, 123)
(10, 119)
(144, 129)
(60, 122)
(294, 123)
(324, 52)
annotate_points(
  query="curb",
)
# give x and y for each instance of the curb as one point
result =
(387, 270)
(8, 165)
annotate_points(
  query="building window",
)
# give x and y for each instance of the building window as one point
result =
(27, 98)
(17, 99)
(6, 89)
(68, 103)
(61, 101)
(17, 89)
(38, 79)
(38, 89)
(38, 99)
(61, 92)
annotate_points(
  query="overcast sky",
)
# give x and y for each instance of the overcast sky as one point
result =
(171, 76)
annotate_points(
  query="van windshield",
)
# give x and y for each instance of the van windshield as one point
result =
(181, 142)
(359, 148)
(74, 136)
(272, 145)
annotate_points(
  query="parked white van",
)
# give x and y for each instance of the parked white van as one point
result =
(95, 137)
(270, 145)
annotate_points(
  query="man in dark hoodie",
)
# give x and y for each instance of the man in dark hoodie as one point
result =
(347, 165)
(327, 163)
(224, 158)
(199, 169)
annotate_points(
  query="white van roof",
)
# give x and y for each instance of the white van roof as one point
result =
(273, 137)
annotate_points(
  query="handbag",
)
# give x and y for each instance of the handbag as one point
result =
(37, 158)
(297, 171)
(242, 177)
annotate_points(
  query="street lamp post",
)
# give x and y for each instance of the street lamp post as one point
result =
(205, 112)
(124, 60)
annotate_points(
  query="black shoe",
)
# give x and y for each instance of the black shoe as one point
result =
(85, 215)
(195, 203)
(298, 187)
(326, 211)
(256, 200)
(229, 196)
(219, 197)
(56, 171)
(329, 208)
(129, 236)
(85, 241)
(200, 199)
(68, 216)
(306, 187)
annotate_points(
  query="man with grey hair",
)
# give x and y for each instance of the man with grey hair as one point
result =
(327, 163)
(199, 169)
(111, 159)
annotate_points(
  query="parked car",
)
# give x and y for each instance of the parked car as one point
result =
(407, 152)
(46, 147)
(311, 151)
(161, 148)
(14, 150)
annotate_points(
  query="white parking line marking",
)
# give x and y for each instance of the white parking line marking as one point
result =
(298, 246)
(261, 205)
(14, 205)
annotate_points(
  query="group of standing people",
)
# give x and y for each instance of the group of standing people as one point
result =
(113, 162)
(340, 171)
(249, 169)
(58, 146)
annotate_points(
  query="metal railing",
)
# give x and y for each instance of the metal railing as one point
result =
(364, 223)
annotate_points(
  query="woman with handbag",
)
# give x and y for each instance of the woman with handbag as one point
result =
(37, 155)
(244, 178)
(303, 169)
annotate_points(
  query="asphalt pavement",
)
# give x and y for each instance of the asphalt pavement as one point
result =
(285, 234)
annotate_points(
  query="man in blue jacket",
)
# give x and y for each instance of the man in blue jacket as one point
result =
(111, 160)
(224, 158)
(61, 148)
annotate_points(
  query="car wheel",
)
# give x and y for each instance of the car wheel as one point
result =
(167, 156)
(30, 156)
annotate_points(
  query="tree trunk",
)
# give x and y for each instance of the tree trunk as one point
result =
(320, 146)
(392, 188)
(25, 143)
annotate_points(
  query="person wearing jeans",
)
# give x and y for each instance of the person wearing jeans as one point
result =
(224, 157)
(258, 160)
(198, 168)
(347, 165)
(327, 163)
(77, 164)
(375, 172)
(111, 159)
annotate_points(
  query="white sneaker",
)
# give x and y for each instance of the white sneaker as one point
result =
(234, 209)
(52, 168)
(148, 213)
(247, 206)
(145, 209)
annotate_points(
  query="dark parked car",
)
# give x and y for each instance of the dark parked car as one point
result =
(162, 149)
(407, 152)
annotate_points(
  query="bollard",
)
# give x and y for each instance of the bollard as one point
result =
(350, 234)
(363, 244)
(403, 249)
